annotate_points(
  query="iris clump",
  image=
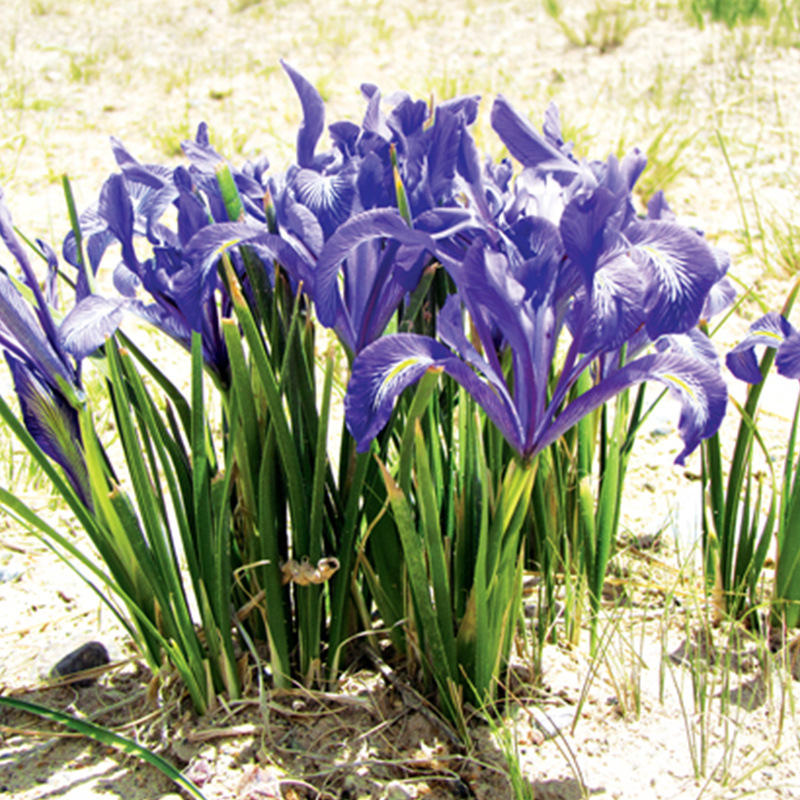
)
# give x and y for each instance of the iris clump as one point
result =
(523, 294)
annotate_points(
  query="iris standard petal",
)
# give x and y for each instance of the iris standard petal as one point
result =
(465, 107)
(471, 171)
(116, 208)
(443, 149)
(300, 221)
(527, 145)
(313, 116)
(588, 229)
(96, 237)
(344, 135)
(658, 208)
(450, 329)
(375, 224)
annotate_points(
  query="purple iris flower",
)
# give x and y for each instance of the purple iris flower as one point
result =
(338, 209)
(564, 252)
(521, 307)
(184, 291)
(46, 380)
(182, 295)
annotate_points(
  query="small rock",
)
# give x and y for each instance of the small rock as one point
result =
(87, 656)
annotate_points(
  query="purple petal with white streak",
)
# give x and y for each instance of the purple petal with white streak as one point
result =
(328, 197)
(384, 369)
(89, 324)
(617, 306)
(681, 269)
(695, 344)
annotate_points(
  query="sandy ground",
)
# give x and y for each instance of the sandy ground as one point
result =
(663, 713)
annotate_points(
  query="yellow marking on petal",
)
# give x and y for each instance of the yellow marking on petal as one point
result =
(680, 383)
(227, 245)
(403, 365)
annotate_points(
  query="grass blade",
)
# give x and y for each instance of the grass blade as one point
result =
(108, 738)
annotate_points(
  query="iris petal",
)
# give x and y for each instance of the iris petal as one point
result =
(53, 423)
(89, 323)
(617, 306)
(376, 224)
(698, 387)
(787, 360)
(390, 364)
(313, 116)
(22, 326)
(328, 197)
(526, 145)
(380, 374)
(681, 268)
(769, 331)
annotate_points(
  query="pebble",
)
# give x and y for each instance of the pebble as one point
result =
(87, 656)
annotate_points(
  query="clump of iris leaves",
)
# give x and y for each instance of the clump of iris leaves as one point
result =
(498, 320)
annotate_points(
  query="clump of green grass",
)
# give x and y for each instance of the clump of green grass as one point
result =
(780, 18)
(606, 26)
(729, 12)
